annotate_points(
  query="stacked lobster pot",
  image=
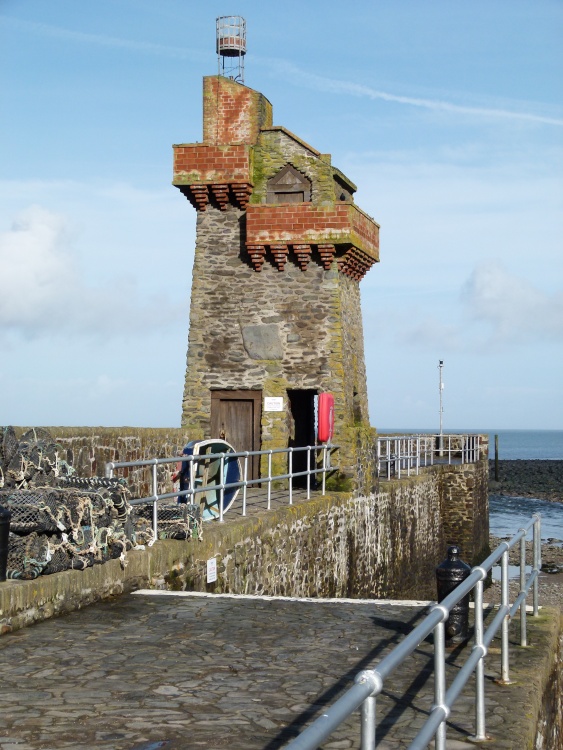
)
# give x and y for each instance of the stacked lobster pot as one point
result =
(175, 520)
(59, 521)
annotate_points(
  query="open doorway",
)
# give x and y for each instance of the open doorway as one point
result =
(303, 431)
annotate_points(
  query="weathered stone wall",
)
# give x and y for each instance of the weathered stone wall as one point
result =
(465, 509)
(276, 147)
(463, 490)
(385, 545)
(305, 330)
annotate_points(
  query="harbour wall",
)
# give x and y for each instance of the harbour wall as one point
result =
(384, 544)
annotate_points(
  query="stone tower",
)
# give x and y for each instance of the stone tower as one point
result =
(275, 313)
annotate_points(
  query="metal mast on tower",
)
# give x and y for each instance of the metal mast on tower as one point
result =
(231, 47)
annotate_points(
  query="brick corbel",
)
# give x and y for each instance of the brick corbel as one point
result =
(355, 264)
(280, 255)
(327, 255)
(242, 192)
(303, 253)
(197, 195)
(257, 256)
(221, 195)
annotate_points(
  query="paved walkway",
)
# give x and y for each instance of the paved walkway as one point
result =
(151, 671)
(257, 501)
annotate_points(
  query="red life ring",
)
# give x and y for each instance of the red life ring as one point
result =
(326, 417)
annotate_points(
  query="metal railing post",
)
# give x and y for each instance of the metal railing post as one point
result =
(440, 679)
(290, 472)
(222, 490)
(244, 486)
(505, 667)
(480, 735)
(523, 634)
(367, 731)
(191, 496)
(378, 456)
(269, 479)
(324, 468)
(155, 503)
(537, 561)
(308, 472)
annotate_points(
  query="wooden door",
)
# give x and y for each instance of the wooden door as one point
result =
(235, 417)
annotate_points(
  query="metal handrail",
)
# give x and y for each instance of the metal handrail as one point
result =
(369, 682)
(244, 483)
(399, 454)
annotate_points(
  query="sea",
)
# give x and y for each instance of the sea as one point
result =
(512, 444)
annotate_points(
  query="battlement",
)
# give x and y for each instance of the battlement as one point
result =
(340, 231)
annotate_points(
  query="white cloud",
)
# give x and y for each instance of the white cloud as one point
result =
(515, 310)
(493, 309)
(36, 268)
(44, 291)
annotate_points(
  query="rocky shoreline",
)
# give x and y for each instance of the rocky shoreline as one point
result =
(550, 580)
(542, 480)
(527, 478)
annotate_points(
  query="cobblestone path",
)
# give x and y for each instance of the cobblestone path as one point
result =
(145, 672)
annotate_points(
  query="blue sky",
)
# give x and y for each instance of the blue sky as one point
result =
(447, 115)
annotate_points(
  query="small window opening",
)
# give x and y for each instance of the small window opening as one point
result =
(289, 186)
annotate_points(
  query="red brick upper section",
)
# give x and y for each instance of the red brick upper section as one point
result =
(202, 162)
(219, 172)
(233, 113)
(297, 223)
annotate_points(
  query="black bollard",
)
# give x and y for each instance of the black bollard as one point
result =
(450, 574)
(5, 516)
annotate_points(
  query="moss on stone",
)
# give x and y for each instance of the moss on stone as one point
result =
(339, 482)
